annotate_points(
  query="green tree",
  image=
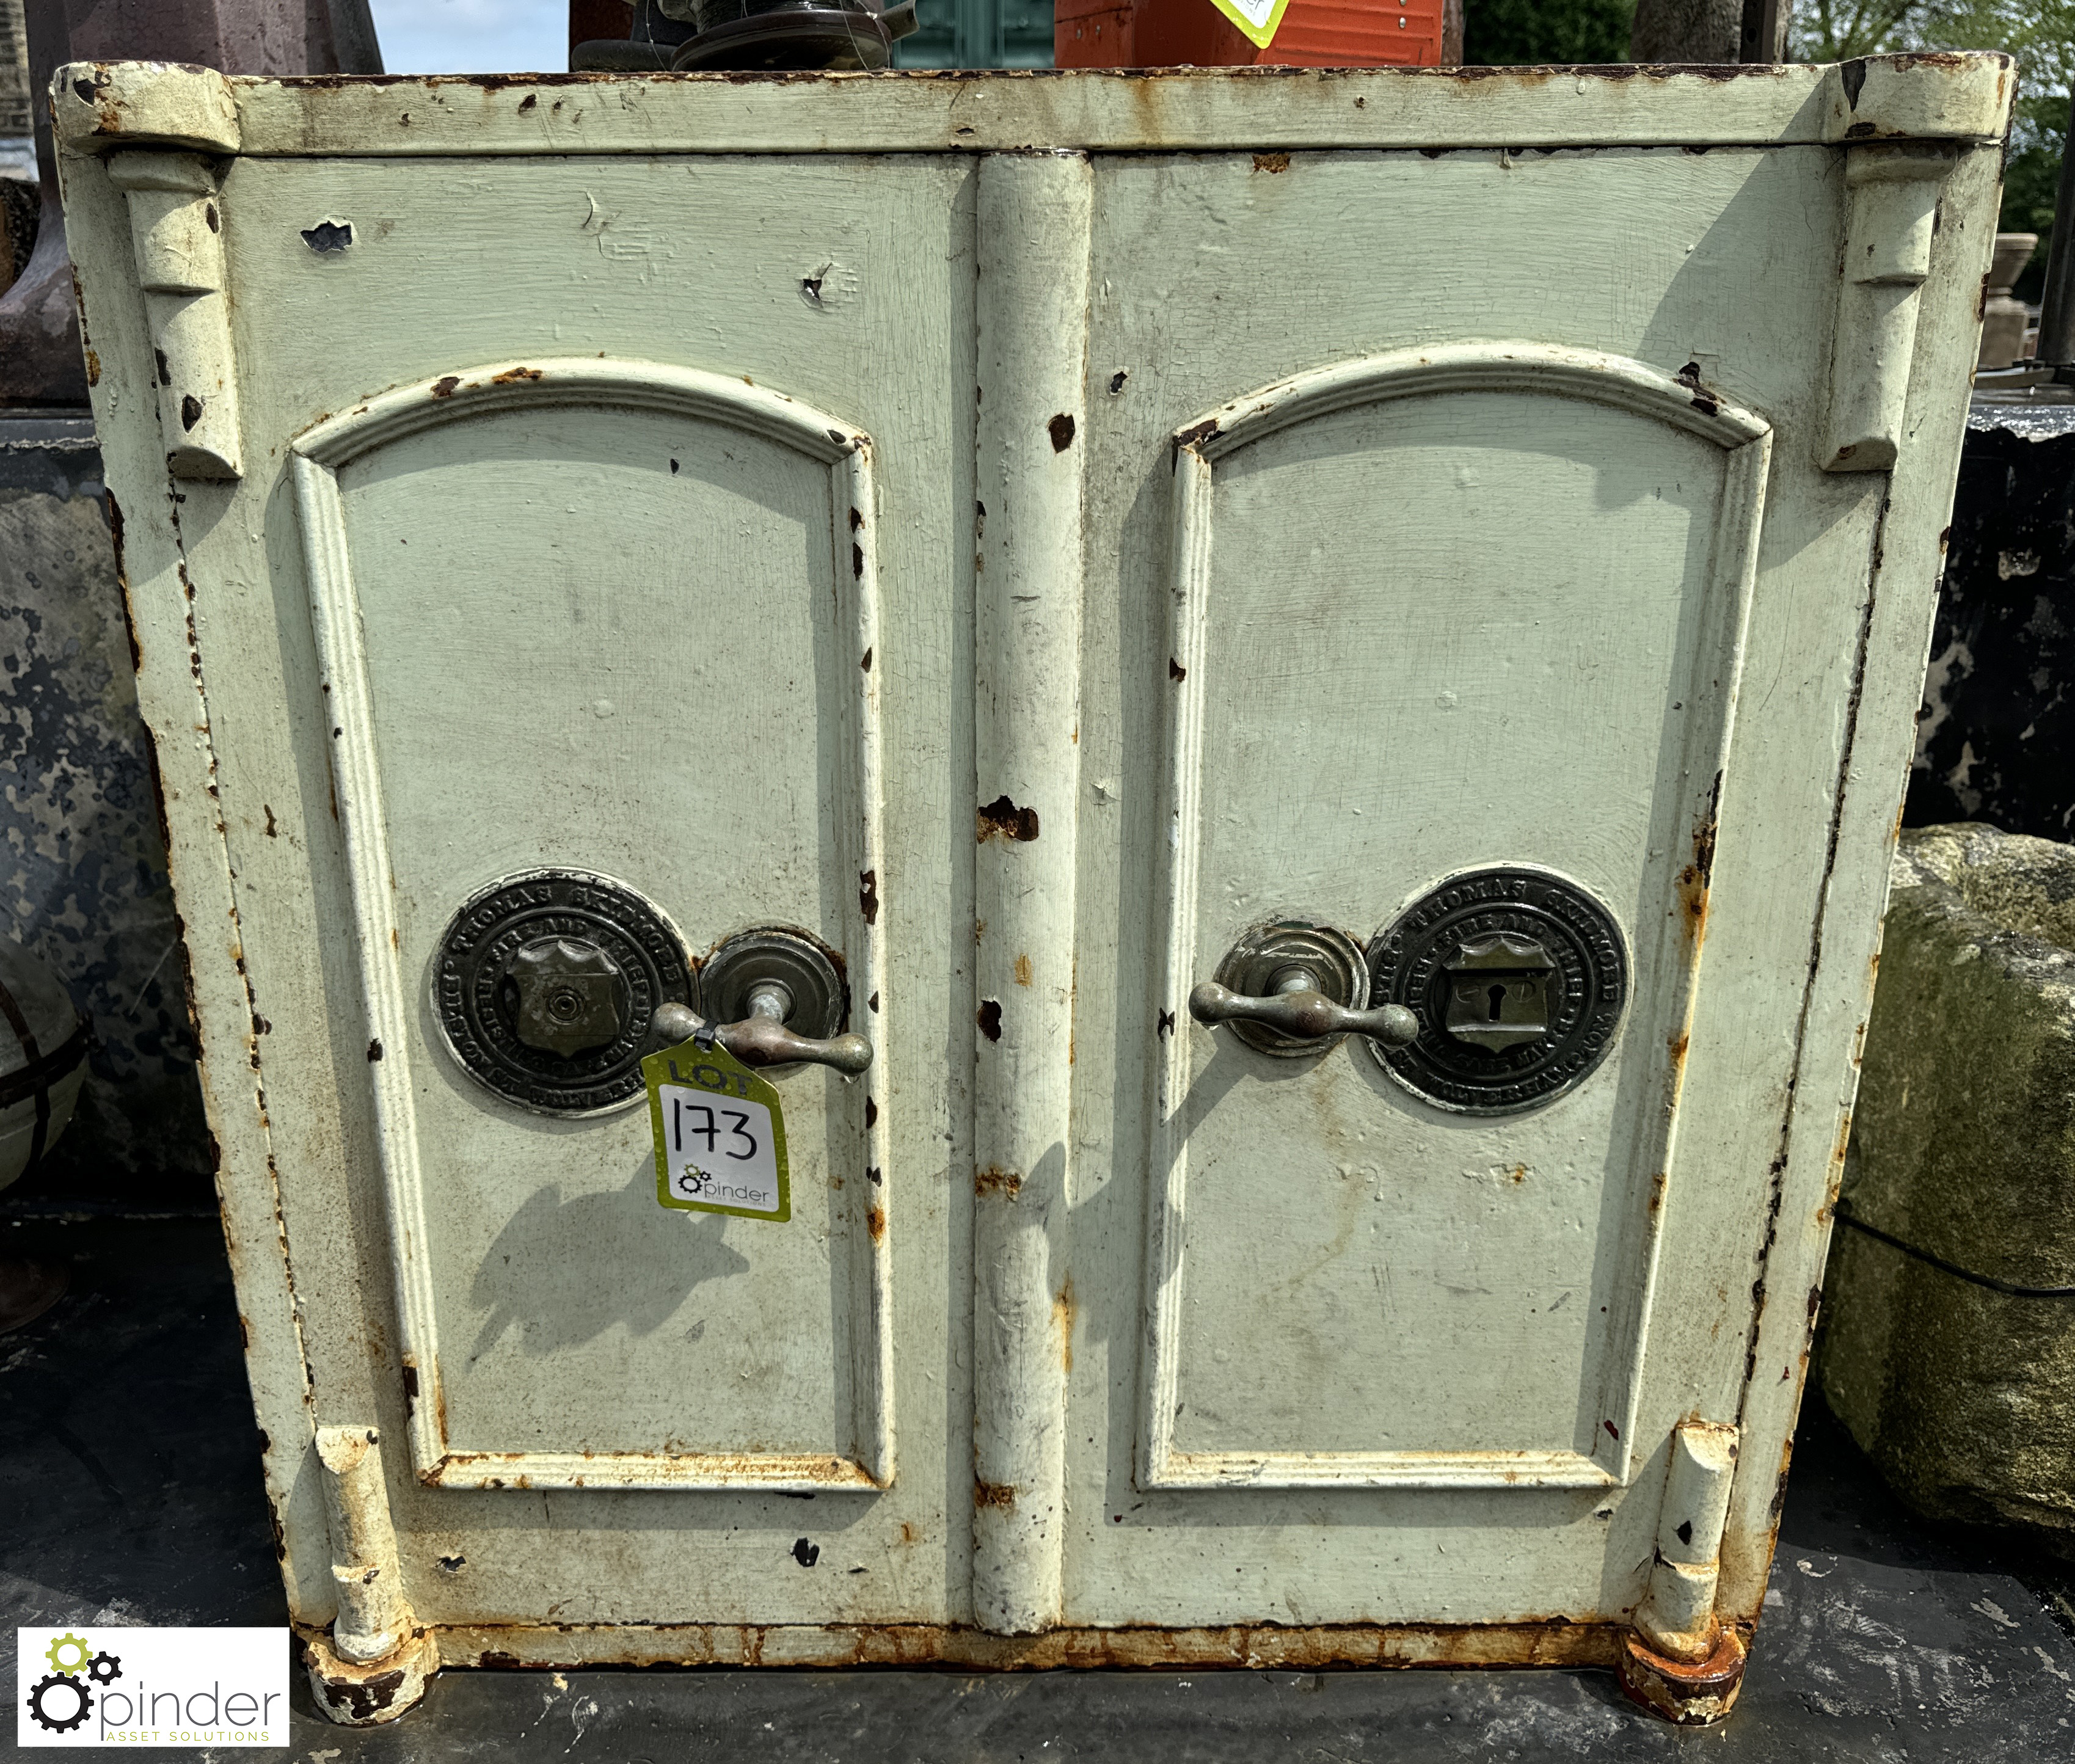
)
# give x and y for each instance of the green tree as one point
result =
(1844, 30)
(2039, 33)
(1526, 33)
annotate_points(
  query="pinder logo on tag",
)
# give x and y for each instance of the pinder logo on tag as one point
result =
(60, 1700)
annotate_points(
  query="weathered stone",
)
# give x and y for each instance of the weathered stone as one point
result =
(1963, 1148)
(82, 859)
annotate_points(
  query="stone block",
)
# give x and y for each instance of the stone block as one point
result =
(1944, 1350)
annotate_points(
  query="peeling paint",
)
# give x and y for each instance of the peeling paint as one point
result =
(1530, 1642)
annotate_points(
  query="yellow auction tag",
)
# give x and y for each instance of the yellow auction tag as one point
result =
(1258, 20)
(720, 1134)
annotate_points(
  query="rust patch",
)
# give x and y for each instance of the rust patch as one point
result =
(994, 1180)
(1201, 433)
(1697, 1695)
(444, 387)
(1555, 1642)
(364, 1699)
(1657, 1193)
(1000, 1496)
(1002, 819)
(92, 368)
(1694, 879)
(867, 901)
(1062, 1319)
(512, 376)
(909, 1533)
(410, 1389)
(1271, 162)
(871, 1114)
(528, 102)
(1689, 376)
(875, 1222)
(1023, 971)
(1061, 429)
(989, 1018)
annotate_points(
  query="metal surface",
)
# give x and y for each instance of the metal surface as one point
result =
(545, 985)
(779, 1002)
(1519, 978)
(1241, 1329)
(1885, 1642)
(1293, 988)
(818, 1000)
(571, 996)
(1301, 1015)
(787, 36)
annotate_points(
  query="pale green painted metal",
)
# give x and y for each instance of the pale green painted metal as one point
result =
(1081, 518)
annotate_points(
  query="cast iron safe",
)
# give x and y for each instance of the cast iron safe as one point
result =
(1311, 672)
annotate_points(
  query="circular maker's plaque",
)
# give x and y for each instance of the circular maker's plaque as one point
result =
(1518, 979)
(545, 982)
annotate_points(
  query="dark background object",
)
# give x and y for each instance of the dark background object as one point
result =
(85, 880)
(40, 361)
(2057, 318)
(1514, 33)
(1996, 737)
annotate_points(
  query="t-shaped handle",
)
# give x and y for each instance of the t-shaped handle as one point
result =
(761, 1037)
(1297, 1007)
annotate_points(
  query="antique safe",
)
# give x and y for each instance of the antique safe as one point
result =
(1277, 701)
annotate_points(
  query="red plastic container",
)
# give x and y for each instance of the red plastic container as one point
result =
(1314, 33)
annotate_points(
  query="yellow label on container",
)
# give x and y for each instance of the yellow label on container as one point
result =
(1258, 20)
(720, 1134)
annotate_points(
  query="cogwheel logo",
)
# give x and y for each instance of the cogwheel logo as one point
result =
(157, 1686)
(60, 1700)
(66, 1644)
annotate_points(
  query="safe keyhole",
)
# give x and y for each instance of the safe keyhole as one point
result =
(1496, 991)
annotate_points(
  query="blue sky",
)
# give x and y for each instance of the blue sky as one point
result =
(473, 36)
